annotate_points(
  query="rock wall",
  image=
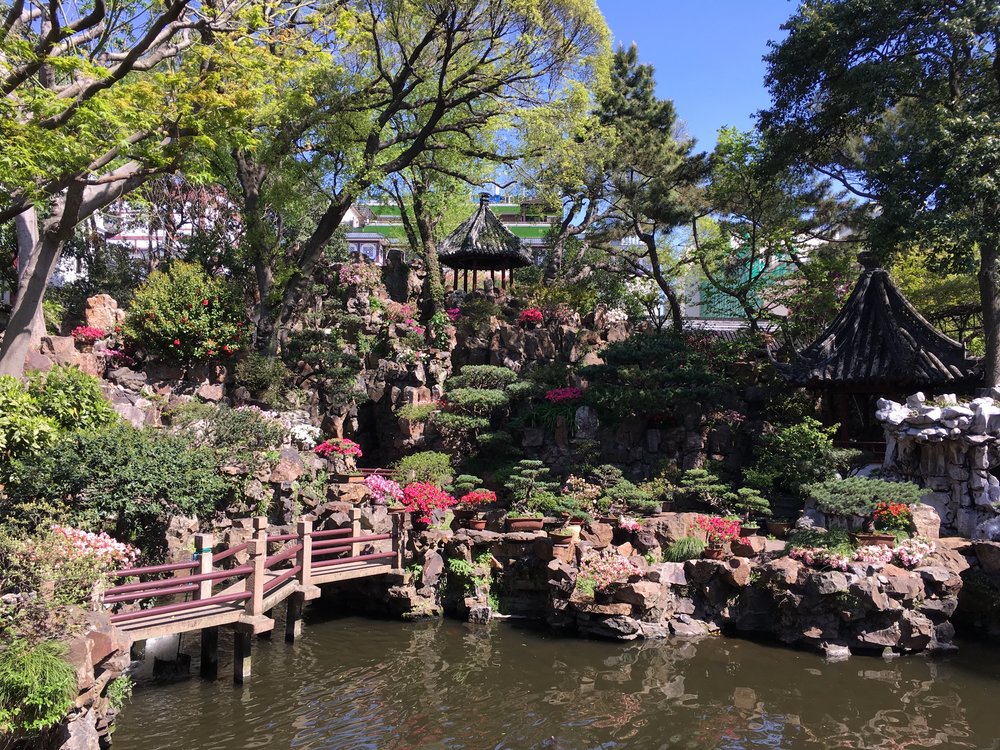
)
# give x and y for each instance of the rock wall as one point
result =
(952, 449)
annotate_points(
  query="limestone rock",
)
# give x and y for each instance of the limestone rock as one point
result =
(102, 312)
(737, 571)
(289, 467)
(988, 554)
(926, 521)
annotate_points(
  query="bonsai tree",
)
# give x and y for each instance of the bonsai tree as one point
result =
(528, 483)
(750, 503)
(859, 496)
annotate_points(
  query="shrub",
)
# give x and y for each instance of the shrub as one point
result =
(232, 432)
(119, 479)
(521, 390)
(685, 548)
(24, 430)
(530, 316)
(87, 334)
(858, 496)
(265, 377)
(71, 398)
(119, 691)
(338, 446)
(383, 490)
(704, 487)
(465, 483)
(892, 516)
(719, 530)
(529, 479)
(562, 395)
(483, 376)
(416, 412)
(324, 354)
(476, 314)
(449, 423)
(423, 498)
(476, 401)
(601, 569)
(624, 493)
(37, 686)
(183, 314)
(431, 467)
(798, 455)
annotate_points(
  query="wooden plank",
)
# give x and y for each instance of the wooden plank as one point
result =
(182, 622)
(349, 572)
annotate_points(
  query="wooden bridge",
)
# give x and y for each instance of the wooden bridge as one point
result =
(303, 561)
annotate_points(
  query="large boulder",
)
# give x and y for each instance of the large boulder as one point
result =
(102, 312)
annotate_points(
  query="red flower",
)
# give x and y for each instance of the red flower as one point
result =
(177, 342)
(204, 302)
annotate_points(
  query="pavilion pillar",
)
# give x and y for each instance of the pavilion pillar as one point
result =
(511, 272)
(493, 278)
(475, 279)
(465, 280)
(454, 279)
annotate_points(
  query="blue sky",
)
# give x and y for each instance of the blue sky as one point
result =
(707, 54)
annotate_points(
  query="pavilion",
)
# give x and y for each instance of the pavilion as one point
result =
(879, 345)
(483, 243)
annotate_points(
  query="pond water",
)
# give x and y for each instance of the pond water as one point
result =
(352, 684)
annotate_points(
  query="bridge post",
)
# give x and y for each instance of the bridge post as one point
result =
(397, 539)
(296, 602)
(254, 607)
(356, 530)
(304, 559)
(209, 668)
(242, 640)
(255, 579)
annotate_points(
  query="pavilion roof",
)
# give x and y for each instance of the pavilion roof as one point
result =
(482, 242)
(878, 339)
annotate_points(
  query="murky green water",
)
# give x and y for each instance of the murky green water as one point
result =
(353, 683)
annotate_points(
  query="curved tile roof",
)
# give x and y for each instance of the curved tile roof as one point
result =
(482, 242)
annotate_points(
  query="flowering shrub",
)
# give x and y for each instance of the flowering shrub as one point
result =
(412, 326)
(873, 553)
(625, 523)
(87, 334)
(909, 553)
(582, 491)
(398, 312)
(183, 313)
(359, 274)
(720, 530)
(478, 497)
(383, 490)
(454, 313)
(118, 356)
(341, 446)
(106, 551)
(423, 498)
(562, 395)
(891, 516)
(560, 313)
(601, 569)
(531, 315)
(304, 435)
(818, 557)
(616, 316)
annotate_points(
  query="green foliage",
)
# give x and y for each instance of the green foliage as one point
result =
(265, 377)
(120, 479)
(426, 466)
(416, 412)
(858, 496)
(53, 312)
(836, 541)
(119, 691)
(71, 398)
(548, 376)
(24, 430)
(476, 401)
(184, 314)
(521, 390)
(483, 376)
(547, 415)
(797, 455)
(650, 372)
(624, 493)
(37, 685)
(685, 548)
(528, 479)
(233, 433)
(111, 269)
(334, 369)
(701, 486)
(465, 483)
(451, 424)
(476, 315)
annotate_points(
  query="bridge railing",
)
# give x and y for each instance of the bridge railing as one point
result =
(308, 554)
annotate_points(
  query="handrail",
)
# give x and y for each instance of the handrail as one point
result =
(171, 608)
(149, 593)
(283, 555)
(186, 579)
(356, 558)
(166, 568)
(331, 532)
(283, 537)
(275, 582)
(227, 553)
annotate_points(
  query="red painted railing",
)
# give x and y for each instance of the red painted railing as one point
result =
(259, 577)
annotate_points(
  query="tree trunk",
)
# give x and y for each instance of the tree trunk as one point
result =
(26, 226)
(435, 285)
(989, 293)
(22, 330)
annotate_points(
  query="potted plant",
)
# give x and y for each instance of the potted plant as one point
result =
(849, 503)
(888, 522)
(86, 336)
(470, 502)
(476, 523)
(531, 489)
(561, 537)
(718, 532)
(748, 505)
(422, 499)
(524, 521)
(342, 457)
(778, 527)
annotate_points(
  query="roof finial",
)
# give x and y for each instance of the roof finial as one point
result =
(868, 260)
(484, 198)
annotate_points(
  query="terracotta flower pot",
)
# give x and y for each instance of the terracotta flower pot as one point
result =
(524, 524)
(666, 506)
(560, 539)
(464, 514)
(476, 524)
(883, 540)
(749, 530)
(713, 553)
(779, 529)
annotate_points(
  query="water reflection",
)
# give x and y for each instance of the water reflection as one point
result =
(353, 683)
